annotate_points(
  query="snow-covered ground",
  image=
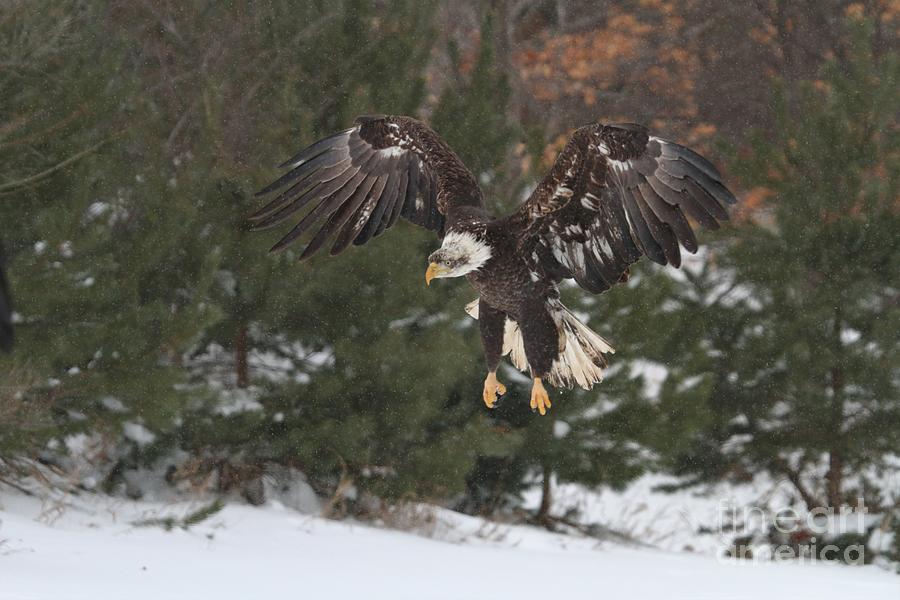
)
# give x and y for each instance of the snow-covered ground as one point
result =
(89, 547)
(702, 519)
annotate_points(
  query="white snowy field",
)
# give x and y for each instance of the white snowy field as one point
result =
(88, 547)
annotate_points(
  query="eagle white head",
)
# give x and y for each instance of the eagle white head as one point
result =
(461, 252)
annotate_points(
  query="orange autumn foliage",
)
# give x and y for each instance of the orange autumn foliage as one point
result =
(627, 51)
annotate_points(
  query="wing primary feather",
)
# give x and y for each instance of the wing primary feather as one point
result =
(590, 280)
(425, 191)
(328, 205)
(327, 158)
(616, 223)
(412, 191)
(358, 217)
(316, 148)
(601, 272)
(360, 199)
(275, 204)
(660, 231)
(339, 217)
(619, 250)
(361, 233)
(671, 215)
(682, 169)
(679, 151)
(302, 173)
(677, 196)
(293, 203)
(373, 225)
(644, 236)
(401, 198)
(671, 196)
(321, 236)
(391, 194)
(280, 208)
(705, 199)
(697, 207)
(349, 209)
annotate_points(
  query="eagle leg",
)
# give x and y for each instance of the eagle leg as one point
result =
(492, 388)
(540, 400)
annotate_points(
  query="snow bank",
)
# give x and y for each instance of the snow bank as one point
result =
(89, 548)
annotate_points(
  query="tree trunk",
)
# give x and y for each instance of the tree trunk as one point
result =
(834, 478)
(543, 515)
(240, 357)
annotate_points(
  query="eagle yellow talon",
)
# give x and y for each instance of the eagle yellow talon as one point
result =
(540, 401)
(492, 388)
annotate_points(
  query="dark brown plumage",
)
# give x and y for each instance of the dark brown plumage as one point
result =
(615, 193)
(366, 177)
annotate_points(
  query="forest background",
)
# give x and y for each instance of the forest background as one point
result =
(157, 338)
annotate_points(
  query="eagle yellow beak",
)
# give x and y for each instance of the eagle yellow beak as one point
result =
(434, 270)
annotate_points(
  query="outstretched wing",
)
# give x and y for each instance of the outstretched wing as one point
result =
(615, 193)
(360, 181)
(6, 332)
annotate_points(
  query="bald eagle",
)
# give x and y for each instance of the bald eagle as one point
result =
(6, 332)
(616, 193)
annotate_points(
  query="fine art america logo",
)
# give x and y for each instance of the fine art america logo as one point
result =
(792, 535)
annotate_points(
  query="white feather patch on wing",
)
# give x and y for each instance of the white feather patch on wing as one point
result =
(580, 359)
(619, 166)
(391, 151)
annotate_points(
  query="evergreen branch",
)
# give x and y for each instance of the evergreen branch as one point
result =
(12, 186)
(794, 477)
(21, 121)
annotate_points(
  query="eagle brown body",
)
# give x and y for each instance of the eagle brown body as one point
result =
(615, 193)
(506, 271)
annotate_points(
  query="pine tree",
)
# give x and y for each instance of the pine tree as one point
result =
(795, 369)
(377, 362)
(109, 262)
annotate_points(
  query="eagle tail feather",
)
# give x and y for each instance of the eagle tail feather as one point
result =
(581, 358)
